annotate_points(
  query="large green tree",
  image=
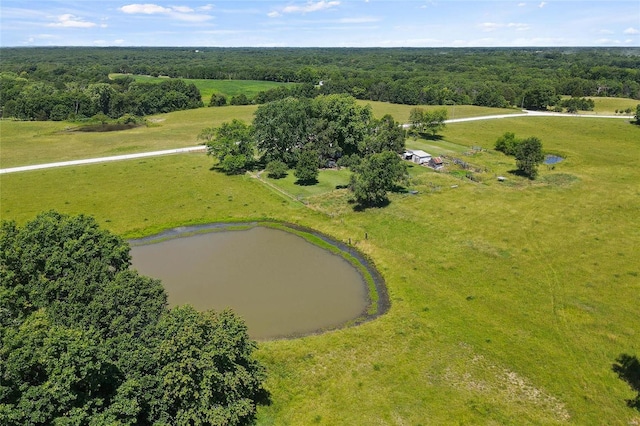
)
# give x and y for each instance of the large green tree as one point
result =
(307, 168)
(375, 176)
(540, 96)
(427, 121)
(333, 126)
(281, 129)
(529, 156)
(209, 376)
(384, 134)
(507, 143)
(232, 144)
(340, 125)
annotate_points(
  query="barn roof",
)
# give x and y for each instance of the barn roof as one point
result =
(420, 153)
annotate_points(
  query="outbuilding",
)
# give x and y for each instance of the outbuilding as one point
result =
(420, 157)
(436, 162)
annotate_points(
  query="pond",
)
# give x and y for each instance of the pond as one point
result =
(552, 159)
(281, 284)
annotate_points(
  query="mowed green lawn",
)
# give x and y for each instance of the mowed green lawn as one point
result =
(208, 87)
(509, 301)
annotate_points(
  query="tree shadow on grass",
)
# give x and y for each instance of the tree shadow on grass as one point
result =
(627, 367)
(306, 182)
(397, 189)
(360, 207)
(520, 173)
(431, 137)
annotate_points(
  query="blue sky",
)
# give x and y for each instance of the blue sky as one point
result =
(324, 23)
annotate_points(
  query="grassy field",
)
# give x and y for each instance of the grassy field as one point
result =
(510, 301)
(29, 142)
(35, 142)
(207, 87)
(401, 112)
(608, 106)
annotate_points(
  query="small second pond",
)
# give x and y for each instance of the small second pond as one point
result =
(552, 159)
(281, 284)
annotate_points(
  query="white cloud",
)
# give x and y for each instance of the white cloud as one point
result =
(605, 32)
(71, 21)
(191, 17)
(118, 41)
(542, 4)
(310, 7)
(489, 26)
(206, 7)
(182, 13)
(182, 9)
(632, 31)
(274, 14)
(148, 9)
(522, 4)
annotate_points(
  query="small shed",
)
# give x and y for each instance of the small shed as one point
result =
(436, 162)
(420, 157)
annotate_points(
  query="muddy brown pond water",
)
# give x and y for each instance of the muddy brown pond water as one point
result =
(281, 284)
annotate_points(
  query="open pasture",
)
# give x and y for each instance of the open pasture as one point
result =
(28, 142)
(34, 142)
(608, 106)
(401, 112)
(208, 87)
(509, 303)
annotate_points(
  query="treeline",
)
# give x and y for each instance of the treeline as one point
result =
(496, 77)
(28, 99)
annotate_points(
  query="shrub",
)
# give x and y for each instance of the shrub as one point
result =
(276, 169)
(507, 143)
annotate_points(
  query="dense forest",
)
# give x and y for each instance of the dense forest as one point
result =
(498, 77)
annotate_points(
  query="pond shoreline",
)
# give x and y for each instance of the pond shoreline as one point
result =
(377, 295)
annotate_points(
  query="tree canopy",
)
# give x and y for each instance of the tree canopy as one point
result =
(307, 167)
(375, 176)
(50, 100)
(232, 144)
(52, 83)
(86, 340)
(427, 122)
(529, 156)
(528, 152)
(507, 143)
